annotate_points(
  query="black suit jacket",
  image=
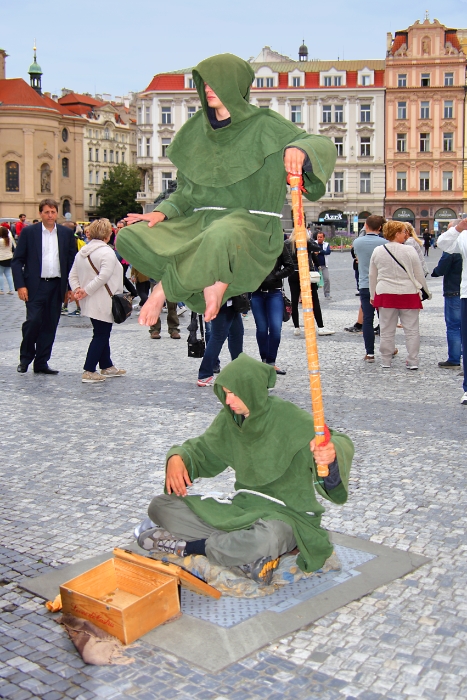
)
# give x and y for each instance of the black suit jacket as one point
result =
(27, 259)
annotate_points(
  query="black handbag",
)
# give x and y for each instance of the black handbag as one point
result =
(121, 303)
(241, 303)
(287, 313)
(196, 346)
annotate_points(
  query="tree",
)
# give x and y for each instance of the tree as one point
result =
(118, 193)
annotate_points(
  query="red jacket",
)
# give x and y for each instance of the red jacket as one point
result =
(19, 227)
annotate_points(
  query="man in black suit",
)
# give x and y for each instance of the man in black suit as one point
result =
(41, 264)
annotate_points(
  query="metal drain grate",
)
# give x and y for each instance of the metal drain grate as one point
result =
(228, 612)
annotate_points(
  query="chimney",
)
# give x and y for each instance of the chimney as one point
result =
(106, 96)
(3, 56)
(388, 41)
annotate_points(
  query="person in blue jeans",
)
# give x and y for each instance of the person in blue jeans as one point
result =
(267, 305)
(227, 324)
(450, 268)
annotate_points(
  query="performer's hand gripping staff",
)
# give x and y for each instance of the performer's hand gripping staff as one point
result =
(322, 435)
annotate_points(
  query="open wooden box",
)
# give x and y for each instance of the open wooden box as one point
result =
(129, 595)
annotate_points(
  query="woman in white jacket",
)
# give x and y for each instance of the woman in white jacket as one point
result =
(89, 287)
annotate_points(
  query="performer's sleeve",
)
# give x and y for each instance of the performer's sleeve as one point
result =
(344, 454)
(199, 461)
(175, 204)
(322, 154)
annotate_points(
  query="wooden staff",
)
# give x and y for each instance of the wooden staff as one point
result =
(300, 238)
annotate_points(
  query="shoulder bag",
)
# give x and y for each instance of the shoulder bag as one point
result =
(196, 346)
(241, 303)
(423, 291)
(121, 303)
(287, 313)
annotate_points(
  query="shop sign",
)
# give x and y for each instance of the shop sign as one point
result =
(445, 214)
(403, 214)
(332, 217)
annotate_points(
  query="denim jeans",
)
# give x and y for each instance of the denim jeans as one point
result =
(228, 323)
(464, 336)
(9, 278)
(268, 310)
(99, 347)
(368, 318)
(452, 317)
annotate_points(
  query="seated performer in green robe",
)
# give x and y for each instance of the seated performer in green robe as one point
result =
(270, 445)
(219, 234)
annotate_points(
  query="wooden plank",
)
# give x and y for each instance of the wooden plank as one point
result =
(154, 609)
(184, 577)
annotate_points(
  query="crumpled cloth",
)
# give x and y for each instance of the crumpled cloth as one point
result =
(95, 646)
(233, 581)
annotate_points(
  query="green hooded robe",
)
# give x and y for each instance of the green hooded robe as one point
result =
(270, 454)
(239, 167)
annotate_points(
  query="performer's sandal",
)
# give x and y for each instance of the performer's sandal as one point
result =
(261, 570)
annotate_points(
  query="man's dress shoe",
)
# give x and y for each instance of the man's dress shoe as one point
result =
(45, 370)
(22, 368)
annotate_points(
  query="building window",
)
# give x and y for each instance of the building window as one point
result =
(327, 114)
(365, 80)
(65, 137)
(66, 207)
(105, 175)
(425, 80)
(296, 81)
(328, 187)
(337, 81)
(338, 183)
(116, 156)
(166, 177)
(191, 84)
(402, 80)
(424, 181)
(424, 110)
(167, 115)
(259, 82)
(327, 81)
(448, 109)
(365, 143)
(107, 133)
(98, 200)
(148, 115)
(365, 183)
(191, 112)
(90, 200)
(65, 167)
(111, 156)
(401, 143)
(448, 141)
(96, 134)
(339, 142)
(338, 114)
(140, 148)
(12, 176)
(90, 154)
(105, 155)
(447, 180)
(296, 114)
(402, 182)
(449, 79)
(148, 147)
(165, 144)
(123, 156)
(90, 177)
(424, 143)
(97, 177)
(139, 118)
(269, 82)
(89, 133)
(117, 137)
(402, 110)
(365, 113)
(97, 155)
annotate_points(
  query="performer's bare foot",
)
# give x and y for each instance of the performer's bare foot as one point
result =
(151, 310)
(213, 296)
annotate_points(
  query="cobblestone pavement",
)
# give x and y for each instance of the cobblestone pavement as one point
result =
(80, 463)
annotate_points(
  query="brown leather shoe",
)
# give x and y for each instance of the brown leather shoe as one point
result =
(175, 335)
(156, 335)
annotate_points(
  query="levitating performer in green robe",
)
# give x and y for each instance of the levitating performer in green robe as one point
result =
(220, 233)
(269, 443)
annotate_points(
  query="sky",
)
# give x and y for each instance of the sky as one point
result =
(103, 46)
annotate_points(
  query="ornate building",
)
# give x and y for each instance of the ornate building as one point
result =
(425, 113)
(41, 149)
(340, 99)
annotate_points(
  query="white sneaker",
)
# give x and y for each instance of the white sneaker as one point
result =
(325, 331)
(464, 399)
(181, 310)
(296, 331)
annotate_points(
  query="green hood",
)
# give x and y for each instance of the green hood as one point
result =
(264, 445)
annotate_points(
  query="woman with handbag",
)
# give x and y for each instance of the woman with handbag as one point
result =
(294, 284)
(267, 305)
(95, 277)
(6, 255)
(397, 286)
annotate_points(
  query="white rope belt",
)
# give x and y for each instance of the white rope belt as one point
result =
(252, 211)
(228, 497)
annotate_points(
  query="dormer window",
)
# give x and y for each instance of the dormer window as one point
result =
(296, 81)
(366, 80)
(259, 82)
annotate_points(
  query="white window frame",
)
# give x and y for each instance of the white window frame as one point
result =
(401, 139)
(402, 80)
(448, 139)
(365, 146)
(338, 111)
(425, 178)
(339, 144)
(166, 115)
(365, 182)
(364, 111)
(401, 179)
(449, 79)
(339, 182)
(402, 109)
(425, 109)
(448, 109)
(294, 111)
(448, 180)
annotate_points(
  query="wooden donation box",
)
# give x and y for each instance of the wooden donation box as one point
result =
(129, 595)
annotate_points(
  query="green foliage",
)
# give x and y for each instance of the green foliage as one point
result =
(118, 193)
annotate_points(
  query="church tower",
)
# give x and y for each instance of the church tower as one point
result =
(35, 74)
(303, 52)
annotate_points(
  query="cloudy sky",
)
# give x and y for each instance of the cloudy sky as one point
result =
(117, 46)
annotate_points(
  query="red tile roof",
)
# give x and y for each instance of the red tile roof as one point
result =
(15, 92)
(399, 39)
(74, 98)
(352, 78)
(311, 80)
(166, 82)
(452, 37)
(379, 78)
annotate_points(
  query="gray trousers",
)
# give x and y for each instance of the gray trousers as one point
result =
(387, 340)
(264, 538)
(327, 280)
